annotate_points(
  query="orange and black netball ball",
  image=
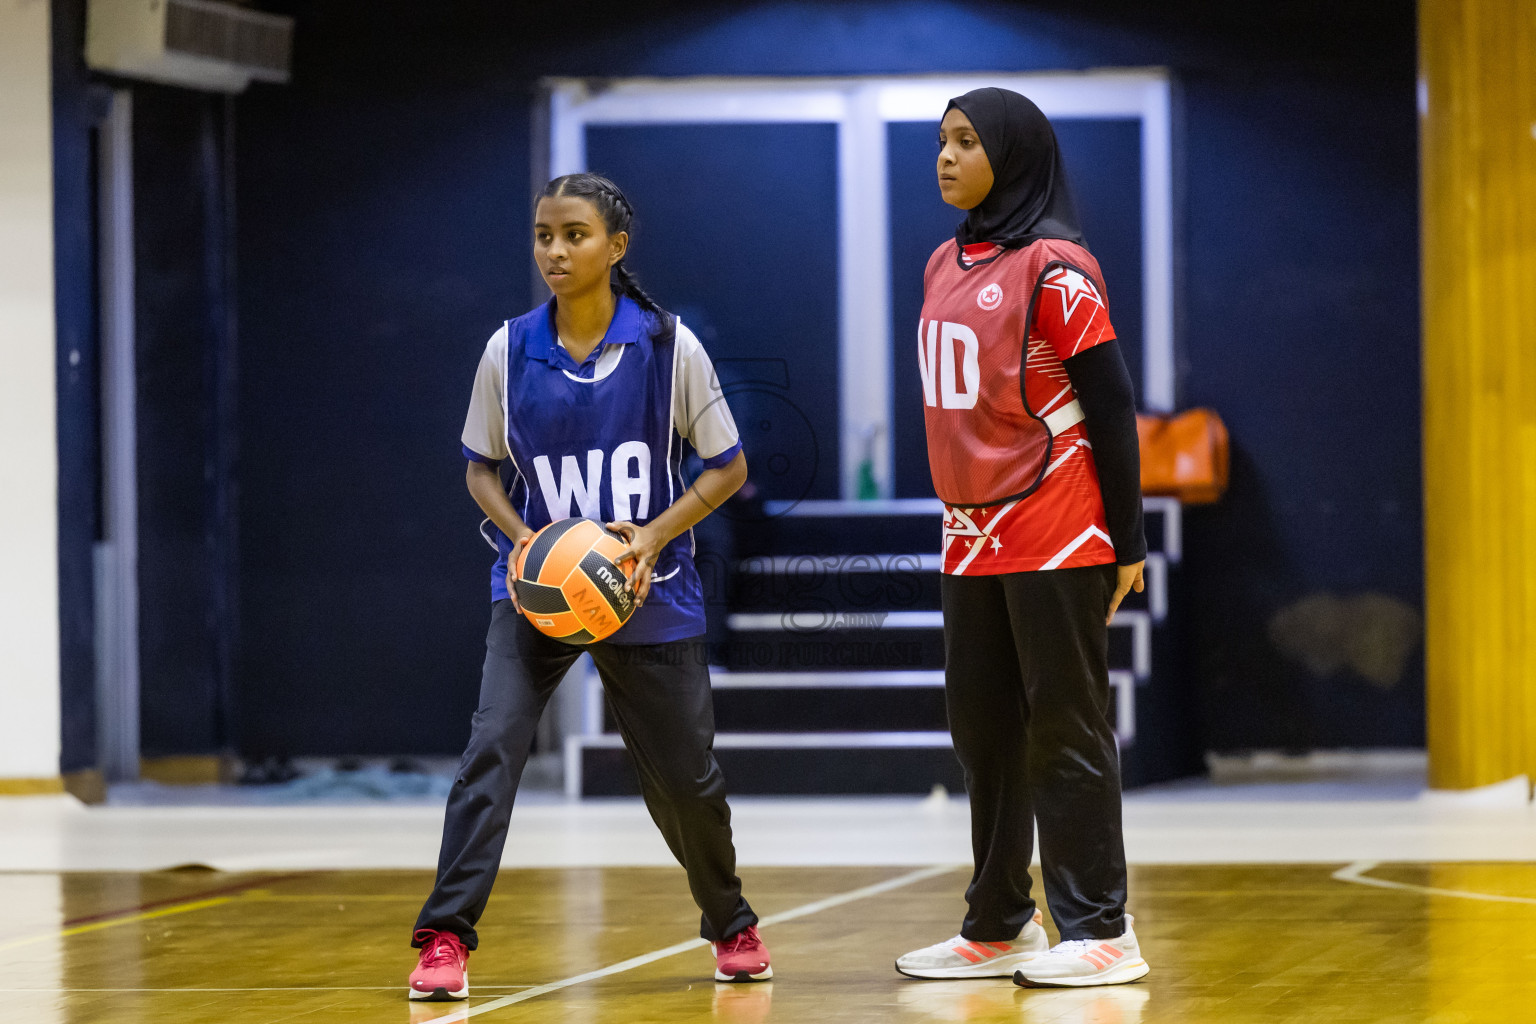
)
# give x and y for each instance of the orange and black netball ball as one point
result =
(568, 584)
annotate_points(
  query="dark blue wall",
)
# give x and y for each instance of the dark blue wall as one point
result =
(382, 237)
(383, 231)
(1302, 322)
(183, 360)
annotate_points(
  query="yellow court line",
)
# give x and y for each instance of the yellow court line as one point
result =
(264, 896)
(268, 988)
(96, 926)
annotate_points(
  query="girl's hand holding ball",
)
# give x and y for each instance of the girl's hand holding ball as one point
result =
(645, 545)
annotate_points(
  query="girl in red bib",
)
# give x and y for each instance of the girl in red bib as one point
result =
(1031, 423)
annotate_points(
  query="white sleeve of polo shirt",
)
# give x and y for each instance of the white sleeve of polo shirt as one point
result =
(485, 428)
(699, 410)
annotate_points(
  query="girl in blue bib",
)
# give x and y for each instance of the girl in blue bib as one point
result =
(591, 397)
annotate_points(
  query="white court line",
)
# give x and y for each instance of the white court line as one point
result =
(1356, 873)
(804, 910)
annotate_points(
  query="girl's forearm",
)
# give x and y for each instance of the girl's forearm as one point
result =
(708, 493)
(485, 487)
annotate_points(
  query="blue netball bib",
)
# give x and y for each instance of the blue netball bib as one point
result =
(601, 445)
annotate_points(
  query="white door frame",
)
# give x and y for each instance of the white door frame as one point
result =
(861, 107)
(117, 554)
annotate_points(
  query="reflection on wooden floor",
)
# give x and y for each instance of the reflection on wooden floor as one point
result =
(1446, 944)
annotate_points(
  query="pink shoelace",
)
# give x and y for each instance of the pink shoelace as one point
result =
(743, 940)
(444, 950)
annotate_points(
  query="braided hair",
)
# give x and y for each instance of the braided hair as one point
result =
(613, 206)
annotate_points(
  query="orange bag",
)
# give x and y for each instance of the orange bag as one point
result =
(1184, 456)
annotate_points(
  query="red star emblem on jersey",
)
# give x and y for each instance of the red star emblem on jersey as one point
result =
(1073, 287)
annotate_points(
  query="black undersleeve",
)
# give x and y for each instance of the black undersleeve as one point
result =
(1104, 390)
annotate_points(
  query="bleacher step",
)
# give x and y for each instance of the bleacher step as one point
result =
(762, 764)
(887, 640)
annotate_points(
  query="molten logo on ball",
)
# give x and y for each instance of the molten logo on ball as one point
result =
(568, 585)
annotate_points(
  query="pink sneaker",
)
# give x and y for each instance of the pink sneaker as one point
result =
(440, 975)
(742, 957)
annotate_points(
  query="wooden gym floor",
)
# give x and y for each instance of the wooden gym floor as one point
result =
(1440, 943)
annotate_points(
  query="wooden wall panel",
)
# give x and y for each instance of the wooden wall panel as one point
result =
(1477, 66)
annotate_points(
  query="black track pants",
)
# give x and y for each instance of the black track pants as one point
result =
(1026, 680)
(661, 700)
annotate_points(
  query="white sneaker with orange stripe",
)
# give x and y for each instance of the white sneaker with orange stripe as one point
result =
(960, 957)
(1082, 962)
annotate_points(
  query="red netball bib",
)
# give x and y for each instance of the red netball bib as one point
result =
(996, 327)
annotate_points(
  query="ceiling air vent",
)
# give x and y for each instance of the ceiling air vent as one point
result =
(193, 43)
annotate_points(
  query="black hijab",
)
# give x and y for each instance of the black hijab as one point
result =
(1030, 197)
